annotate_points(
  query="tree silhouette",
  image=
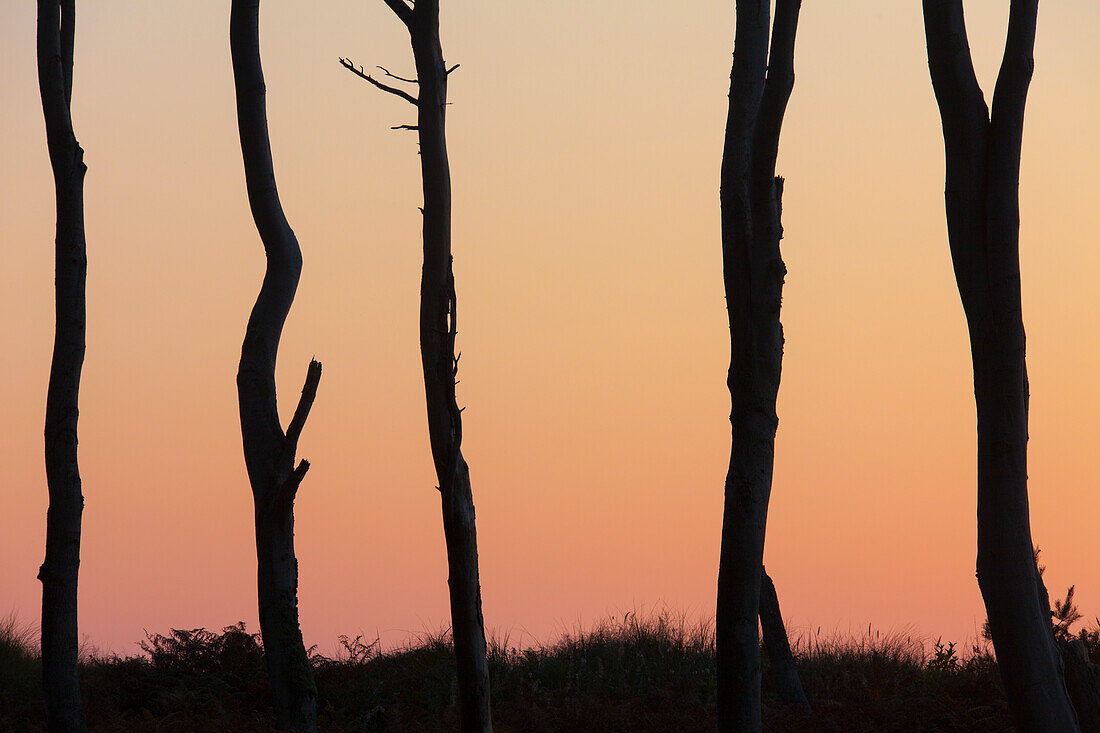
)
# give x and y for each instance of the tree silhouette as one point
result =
(56, 32)
(784, 672)
(753, 272)
(438, 327)
(983, 223)
(269, 452)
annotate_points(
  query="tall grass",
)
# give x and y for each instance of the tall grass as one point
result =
(638, 672)
(20, 672)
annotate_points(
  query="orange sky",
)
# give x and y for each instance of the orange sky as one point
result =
(585, 145)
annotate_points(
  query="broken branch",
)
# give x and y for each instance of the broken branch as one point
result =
(309, 393)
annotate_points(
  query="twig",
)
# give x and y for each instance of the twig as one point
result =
(395, 76)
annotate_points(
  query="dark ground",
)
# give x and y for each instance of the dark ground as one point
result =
(629, 674)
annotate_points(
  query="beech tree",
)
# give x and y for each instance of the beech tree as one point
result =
(983, 226)
(438, 327)
(269, 452)
(56, 33)
(753, 273)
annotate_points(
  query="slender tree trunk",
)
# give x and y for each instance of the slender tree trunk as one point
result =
(64, 712)
(753, 274)
(983, 219)
(269, 452)
(787, 683)
(438, 327)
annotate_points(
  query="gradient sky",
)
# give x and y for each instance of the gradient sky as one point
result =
(585, 146)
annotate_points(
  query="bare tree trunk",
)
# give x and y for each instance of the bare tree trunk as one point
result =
(58, 573)
(753, 274)
(983, 220)
(269, 453)
(787, 683)
(438, 327)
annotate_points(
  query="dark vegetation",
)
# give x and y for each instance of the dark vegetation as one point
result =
(625, 674)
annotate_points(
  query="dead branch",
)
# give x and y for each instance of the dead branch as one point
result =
(391, 75)
(305, 403)
(384, 87)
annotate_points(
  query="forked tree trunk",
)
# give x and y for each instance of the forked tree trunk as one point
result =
(438, 326)
(983, 222)
(787, 683)
(269, 452)
(753, 274)
(64, 712)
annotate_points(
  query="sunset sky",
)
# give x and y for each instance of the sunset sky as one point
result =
(585, 142)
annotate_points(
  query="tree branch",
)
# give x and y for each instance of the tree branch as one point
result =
(54, 46)
(285, 493)
(1014, 77)
(750, 61)
(777, 88)
(363, 75)
(309, 393)
(401, 10)
(965, 121)
(391, 75)
(295, 480)
(952, 70)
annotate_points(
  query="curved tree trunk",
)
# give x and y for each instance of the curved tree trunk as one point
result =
(438, 327)
(64, 713)
(269, 453)
(753, 274)
(983, 220)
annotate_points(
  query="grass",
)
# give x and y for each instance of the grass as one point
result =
(634, 673)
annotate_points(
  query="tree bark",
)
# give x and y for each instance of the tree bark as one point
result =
(787, 683)
(753, 274)
(58, 573)
(438, 327)
(269, 452)
(983, 219)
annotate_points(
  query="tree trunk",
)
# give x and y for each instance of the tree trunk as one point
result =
(269, 452)
(983, 218)
(438, 327)
(58, 573)
(753, 274)
(787, 683)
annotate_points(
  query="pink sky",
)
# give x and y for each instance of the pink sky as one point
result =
(585, 145)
